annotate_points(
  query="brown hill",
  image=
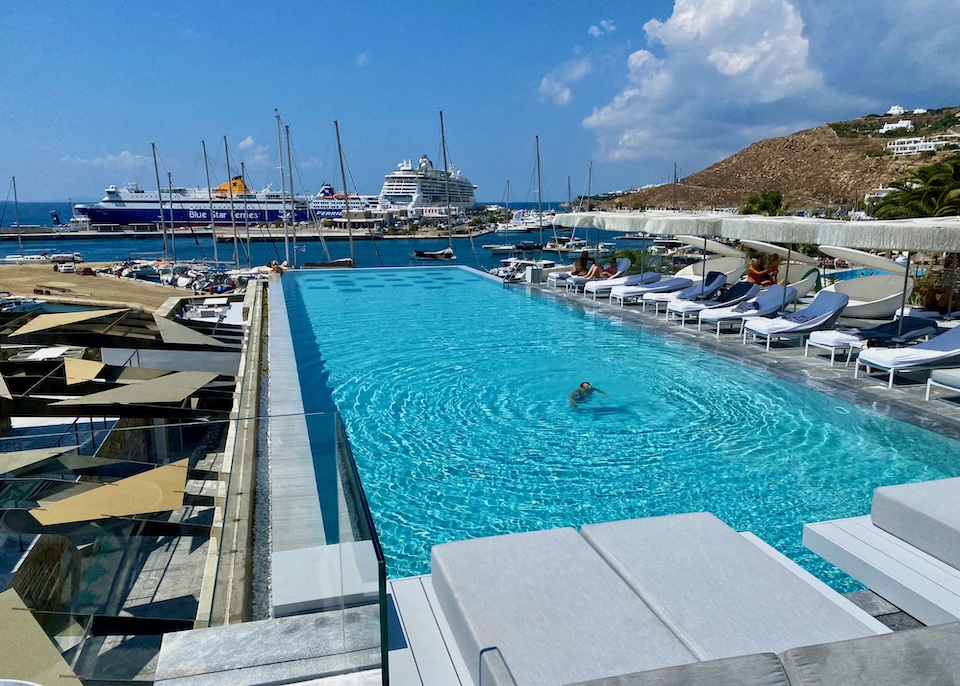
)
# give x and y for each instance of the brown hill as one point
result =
(813, 169)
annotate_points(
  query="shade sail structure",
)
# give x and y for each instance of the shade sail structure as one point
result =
(79, 371)
(15, 460)
(27, 652)
(46, 322)
(173, 333)
(155, 490)
(770, 249)
(172, 388)
(864, 259)
(4, 389)
(714, 247)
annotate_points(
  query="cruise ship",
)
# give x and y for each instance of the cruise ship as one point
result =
(328, 204)
(422, 188)
(130, 204)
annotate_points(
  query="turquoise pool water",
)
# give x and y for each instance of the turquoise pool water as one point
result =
(454, 393)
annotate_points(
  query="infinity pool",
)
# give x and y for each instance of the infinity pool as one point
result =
(454, 391)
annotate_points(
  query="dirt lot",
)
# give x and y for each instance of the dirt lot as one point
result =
(90, 290)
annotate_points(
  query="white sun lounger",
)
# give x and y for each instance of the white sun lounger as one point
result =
(699, 289)
(624, 293)
(767, 303)
(576, 283)
(893, 333)
(822, 313)
(740, 291)
(939, 351)
(597, 287)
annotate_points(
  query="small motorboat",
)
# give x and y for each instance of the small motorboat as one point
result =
(445, 254)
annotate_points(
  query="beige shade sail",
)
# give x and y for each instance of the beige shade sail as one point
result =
(18, 459)
(4, 389)
(171, 388)
(26, 652)
(45, 322)
(155, 490)
(173, 333)
(78, 371)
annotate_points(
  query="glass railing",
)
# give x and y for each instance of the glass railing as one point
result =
(107, 576)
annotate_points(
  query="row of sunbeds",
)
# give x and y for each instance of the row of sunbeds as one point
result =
(754, 313)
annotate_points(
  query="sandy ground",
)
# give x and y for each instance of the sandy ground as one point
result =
(91, 290)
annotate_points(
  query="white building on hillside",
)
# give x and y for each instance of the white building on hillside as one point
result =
(904, 124)
(915, 146)
(896, 111)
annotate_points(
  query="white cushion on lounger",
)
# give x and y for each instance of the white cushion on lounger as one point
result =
(720, 593)
(556, 611)
(926, 515)
(834, 339)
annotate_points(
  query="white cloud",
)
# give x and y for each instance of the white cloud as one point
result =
(362, 59)
(246, 143)
(606, 26)
(715, 62)
(125, 160)
(556, 85)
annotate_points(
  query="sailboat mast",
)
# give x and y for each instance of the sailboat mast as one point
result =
(163, 222)
(293, 214)
(286, 237)
(246, 215)
(16, 215)
(233, 216)
(173, 236)
(213, 226)
(446, 182)
(346, 206)
(539, 193)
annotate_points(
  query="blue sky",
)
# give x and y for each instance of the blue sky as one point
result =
(87, 86)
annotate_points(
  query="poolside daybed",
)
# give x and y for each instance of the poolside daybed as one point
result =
(822, 313)
(551, 607)
(767, 303)
(907, 549)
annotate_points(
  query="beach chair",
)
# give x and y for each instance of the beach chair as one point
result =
(892, 333)
(577, 283)
(603, 287)
(822, 313)
(702, 290)
(939, 351)
(632, 293)
(766, 304)
(740, 291)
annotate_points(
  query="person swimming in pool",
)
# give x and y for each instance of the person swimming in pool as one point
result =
(583, 393)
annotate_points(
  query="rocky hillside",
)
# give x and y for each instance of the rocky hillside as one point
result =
(816, 168)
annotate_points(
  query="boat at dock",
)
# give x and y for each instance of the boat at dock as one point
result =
(230, 202)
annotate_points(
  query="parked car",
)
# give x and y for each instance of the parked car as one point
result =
(86, 271)
(66, 268)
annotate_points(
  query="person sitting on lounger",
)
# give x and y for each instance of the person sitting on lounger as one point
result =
(602, 272)
(583, 393)
(756, 273)
(582, 266)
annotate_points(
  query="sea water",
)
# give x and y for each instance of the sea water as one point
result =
(454, 390)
